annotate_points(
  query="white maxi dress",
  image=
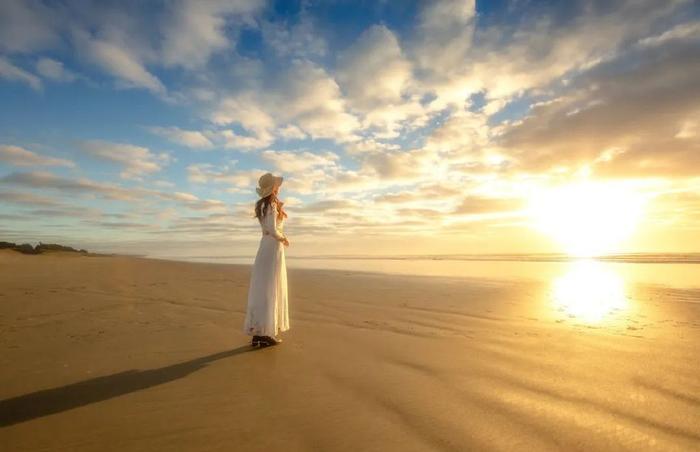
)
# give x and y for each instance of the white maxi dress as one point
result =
(268, 311)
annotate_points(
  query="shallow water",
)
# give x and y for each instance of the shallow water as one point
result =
(675, 274)
(588, 291)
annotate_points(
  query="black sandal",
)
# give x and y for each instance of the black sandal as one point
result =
(257, 340)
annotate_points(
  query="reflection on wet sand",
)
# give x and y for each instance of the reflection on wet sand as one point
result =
(589, 291)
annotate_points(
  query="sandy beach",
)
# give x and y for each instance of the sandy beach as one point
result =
(122, 353)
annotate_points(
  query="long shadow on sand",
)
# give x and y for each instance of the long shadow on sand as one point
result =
(55, 400)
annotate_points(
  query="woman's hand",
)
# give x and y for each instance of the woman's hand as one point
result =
(285, 242)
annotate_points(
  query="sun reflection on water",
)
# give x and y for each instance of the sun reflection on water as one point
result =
(589, 291)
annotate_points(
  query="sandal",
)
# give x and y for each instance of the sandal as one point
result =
(267, 340)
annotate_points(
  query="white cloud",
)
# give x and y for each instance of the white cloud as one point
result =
(313, 102)
(296, 40)
(196, 29)
(9, 71)
(300, 162)
(89, 188)
(18, 156)
(26, 26)
(189, 138)
(45, 180)
(54, 70)
(119, 60)
(205, 173)
(625, 122)
(136, 161)
(377, 80)
(463, 132)
(291, 133)
(410, 165)
(246, 111)
(257, 140)
(30, 199)
(445, 34)
(682, 31)
(304, 97)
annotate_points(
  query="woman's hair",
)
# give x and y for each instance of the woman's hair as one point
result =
(262, 205)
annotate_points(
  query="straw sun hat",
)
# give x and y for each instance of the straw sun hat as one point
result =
(267, 183)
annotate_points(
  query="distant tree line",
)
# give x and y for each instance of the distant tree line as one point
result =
(26, 248)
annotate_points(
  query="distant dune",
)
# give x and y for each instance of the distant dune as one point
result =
(27, 248)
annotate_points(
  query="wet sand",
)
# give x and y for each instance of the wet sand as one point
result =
(119, 353)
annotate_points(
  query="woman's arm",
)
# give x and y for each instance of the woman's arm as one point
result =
(271, 223)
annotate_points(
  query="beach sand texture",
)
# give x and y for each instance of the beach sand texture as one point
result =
(121, 353)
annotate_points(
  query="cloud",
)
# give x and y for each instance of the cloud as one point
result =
(480, 205)
(26, 26)
(137, 161)
(122, 225)
(296, 40)
(619, 119)
(39, 180)
(119, 59)
(445, 34)
(448, 114)
(202, 173)
(54, 70)
(463, 132)
(44, 180)
(189, 138)
(9, 71)
(508, 59)
(304, 172)
(238, 180)
(18, 156)
(245, 110)
(312, 102)
(377, 81)
(328, 205)
(300, 162)
(402, 165)
(256, 140)
(431, 192)
(373, 71)
(681, 31)
(193, 202)
(30, 199)
(196, 29)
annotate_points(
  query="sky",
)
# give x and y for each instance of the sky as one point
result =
(400, 127)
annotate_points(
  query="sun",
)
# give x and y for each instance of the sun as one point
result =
(587, 218)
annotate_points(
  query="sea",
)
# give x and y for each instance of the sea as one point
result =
(675, 270)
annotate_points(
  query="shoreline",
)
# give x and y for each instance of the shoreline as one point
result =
(631, 258)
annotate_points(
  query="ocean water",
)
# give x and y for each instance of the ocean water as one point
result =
(668, 270)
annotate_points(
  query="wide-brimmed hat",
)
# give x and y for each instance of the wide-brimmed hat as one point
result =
(267, 183)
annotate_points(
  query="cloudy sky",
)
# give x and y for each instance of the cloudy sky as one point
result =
(400, 127)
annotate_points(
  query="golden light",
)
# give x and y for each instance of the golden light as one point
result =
(589, 291)
(587, 218)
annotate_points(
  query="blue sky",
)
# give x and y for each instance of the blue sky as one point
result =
(143, 126)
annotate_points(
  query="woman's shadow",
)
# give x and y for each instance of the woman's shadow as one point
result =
(50, 401)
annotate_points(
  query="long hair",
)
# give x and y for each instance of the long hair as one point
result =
(262, 205)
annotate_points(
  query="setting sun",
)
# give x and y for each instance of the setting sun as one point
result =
(587, 218)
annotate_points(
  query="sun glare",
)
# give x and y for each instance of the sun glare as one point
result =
(587, 219)
(589, 291)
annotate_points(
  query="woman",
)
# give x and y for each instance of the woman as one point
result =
(267, 312)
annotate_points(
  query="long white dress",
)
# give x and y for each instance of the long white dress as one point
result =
(268, 311)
